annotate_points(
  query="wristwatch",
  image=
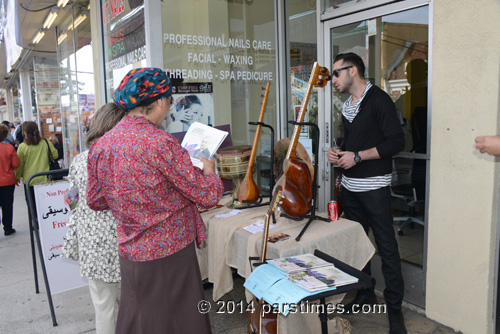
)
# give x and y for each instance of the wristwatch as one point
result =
(357, 158)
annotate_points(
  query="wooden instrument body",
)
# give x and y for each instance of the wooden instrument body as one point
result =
(248, 189)
(297, 181)
(261, 320)
(297, 188)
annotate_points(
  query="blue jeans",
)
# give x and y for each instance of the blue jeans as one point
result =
(372, 209)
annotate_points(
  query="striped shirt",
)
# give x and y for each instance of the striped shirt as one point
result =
(350, 111)
(368, 183)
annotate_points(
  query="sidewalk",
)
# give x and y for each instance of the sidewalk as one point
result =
(25, 312)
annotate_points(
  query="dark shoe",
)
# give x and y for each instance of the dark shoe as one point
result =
(9, 232)
(396, 322)
(364, 297)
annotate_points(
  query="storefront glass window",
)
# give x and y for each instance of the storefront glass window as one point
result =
(395, 49)
(47, 96)
(221, 53)
(75, 79)
(303, 54)
(124, 40)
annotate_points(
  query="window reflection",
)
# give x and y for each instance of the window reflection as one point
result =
(395, 51)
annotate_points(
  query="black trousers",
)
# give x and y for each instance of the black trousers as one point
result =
(7, 204)
(372, 209)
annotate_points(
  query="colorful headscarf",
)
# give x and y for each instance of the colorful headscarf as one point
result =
(142, 86)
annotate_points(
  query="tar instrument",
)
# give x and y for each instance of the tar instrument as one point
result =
(297, 181)
(260, 321)
(248, 190)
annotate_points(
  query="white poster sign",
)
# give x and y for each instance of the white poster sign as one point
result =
(62, 274)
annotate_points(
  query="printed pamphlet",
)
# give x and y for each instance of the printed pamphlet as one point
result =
(297, 263)
(202, 141)
(321, 278)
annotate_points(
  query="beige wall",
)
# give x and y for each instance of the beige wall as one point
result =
(463, 196)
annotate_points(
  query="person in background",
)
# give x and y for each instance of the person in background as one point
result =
(488, 144)
(33, 155)
(55, 141)
(144, 176)
(18, 131)
(372, 135)
(91, 237)
(8, 162)
(10, 138)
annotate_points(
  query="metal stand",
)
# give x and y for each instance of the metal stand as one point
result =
(34, 230)
(364, 282)
(271, 177)
(312, 216)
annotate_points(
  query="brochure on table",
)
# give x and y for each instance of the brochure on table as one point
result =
(321, 278)
(296, 263)
(202, 141)
(268, 283)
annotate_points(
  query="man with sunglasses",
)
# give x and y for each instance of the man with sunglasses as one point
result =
(372, 135)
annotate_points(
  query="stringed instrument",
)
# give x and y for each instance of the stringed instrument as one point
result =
(297, 181)
(260, 321)
(248, 190)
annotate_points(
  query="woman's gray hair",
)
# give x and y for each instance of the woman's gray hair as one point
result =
(102, 121)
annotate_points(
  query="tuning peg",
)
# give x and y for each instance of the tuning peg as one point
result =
(324, 70)
(320, 82)
(263, 88)
(261, 95)
(328, 77)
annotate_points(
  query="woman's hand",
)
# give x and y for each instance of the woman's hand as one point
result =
(208, 166)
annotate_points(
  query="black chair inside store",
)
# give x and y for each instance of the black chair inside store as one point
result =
(413, 192)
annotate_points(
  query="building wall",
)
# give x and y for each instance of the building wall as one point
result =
(463, 202)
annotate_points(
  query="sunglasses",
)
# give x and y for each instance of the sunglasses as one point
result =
(335, 73)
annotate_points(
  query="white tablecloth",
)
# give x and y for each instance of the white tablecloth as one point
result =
(228, 245)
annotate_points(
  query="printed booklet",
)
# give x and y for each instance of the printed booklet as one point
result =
(297, 263)
(321, 278)
(281, 287)
(202, 141)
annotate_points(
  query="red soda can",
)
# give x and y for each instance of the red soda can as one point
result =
(333, 211)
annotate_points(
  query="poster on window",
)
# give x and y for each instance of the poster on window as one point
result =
(193, 102)
(53, 215)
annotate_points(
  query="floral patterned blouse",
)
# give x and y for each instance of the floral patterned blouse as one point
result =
(91, 237)
(145, 177)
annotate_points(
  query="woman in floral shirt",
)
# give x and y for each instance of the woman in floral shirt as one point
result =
(91, 237)
(147, 180)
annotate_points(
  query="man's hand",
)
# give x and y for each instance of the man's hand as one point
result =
(208, 166)
(333, 155)
(488, 144)
(347, 159)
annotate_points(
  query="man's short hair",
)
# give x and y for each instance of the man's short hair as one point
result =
(350, 58)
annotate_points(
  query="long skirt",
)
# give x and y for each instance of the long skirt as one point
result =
(162, 296)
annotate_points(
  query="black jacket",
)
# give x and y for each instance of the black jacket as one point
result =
(376, 125)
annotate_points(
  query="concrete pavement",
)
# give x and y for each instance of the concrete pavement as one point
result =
(25, 312)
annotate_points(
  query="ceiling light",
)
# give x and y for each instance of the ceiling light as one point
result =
(39, 35)
(50, 18)
(61, 38)
(62, 3)
(79, 19)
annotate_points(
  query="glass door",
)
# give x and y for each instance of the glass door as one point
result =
(395, 48)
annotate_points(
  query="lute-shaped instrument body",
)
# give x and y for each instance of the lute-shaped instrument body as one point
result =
(297, 181)
(248, 190)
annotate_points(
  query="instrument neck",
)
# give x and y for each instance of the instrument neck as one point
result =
(300, 118)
